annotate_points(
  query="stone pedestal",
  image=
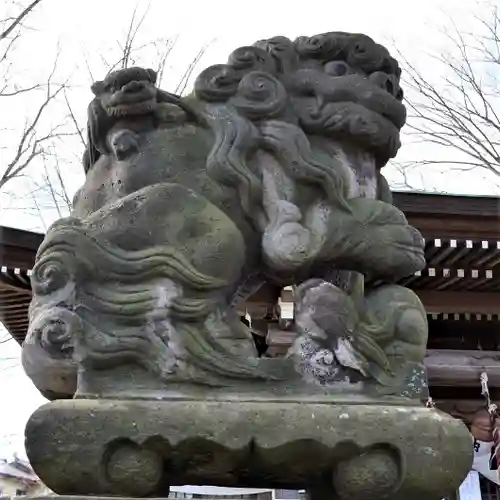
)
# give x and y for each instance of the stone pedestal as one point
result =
(350, 449)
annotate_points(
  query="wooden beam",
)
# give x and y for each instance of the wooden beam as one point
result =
(20, 238)
(446, 367)
(436, 301)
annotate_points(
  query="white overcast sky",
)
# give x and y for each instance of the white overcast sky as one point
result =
(86, 30)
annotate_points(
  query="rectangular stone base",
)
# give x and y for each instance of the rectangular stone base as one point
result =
(141, 448)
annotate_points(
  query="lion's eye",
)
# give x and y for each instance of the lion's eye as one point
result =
(337, 68)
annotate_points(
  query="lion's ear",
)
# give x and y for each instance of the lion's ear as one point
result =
(152, 76)
(97, 88)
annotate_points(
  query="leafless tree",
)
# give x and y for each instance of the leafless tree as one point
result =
(458, 109)
(409, 176)
(130, 52)
(47, 192)
(48, 189)
(34, 137)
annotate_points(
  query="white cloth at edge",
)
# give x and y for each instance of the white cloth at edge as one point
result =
(484, 460)
(470, 488)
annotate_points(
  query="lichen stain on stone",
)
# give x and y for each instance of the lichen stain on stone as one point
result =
(429, 451)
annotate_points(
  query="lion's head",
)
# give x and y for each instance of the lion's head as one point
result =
(338, 85)
(129, 91)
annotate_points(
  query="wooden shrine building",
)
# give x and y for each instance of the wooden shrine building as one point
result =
(460, 288)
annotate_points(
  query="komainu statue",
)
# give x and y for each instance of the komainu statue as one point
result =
(269, 172)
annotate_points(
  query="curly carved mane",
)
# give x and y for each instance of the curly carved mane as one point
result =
(273, 96)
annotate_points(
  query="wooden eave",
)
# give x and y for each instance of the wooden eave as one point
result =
(451, 216)
(17, 254)
(15, 297)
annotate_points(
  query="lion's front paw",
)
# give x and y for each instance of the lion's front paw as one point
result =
(287, 247)
(124, 144)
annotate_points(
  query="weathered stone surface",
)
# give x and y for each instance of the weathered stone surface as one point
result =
(352, 447)
(269, 171)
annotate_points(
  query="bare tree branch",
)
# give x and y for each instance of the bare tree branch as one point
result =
(78, 129)
(33, 137)
(181, 86)
(132, 32)
(16, 21)
(5, 93)
(30, 144)
(460, 110)
(36, 143)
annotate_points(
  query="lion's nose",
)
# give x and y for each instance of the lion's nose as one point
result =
(134, 86)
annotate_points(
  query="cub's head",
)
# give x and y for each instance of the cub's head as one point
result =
(130, 91)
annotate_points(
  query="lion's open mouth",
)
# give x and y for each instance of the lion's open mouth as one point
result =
(322, 89)
(129, 109)
(351, 106)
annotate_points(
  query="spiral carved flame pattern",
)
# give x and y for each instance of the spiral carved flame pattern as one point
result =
(217, 83)
(251, 59)
(54, 329)
(51, 272)
(260, 95)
